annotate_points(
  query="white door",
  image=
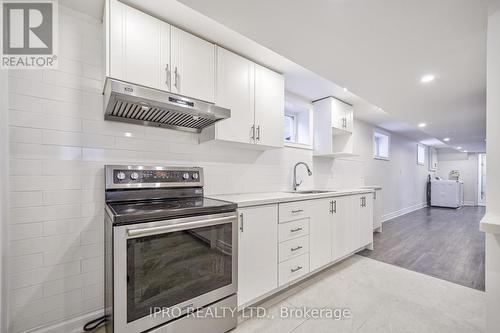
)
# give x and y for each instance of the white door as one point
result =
(257, 252)
(193, 66)
(341, 227)
(139, 47)
(269, 107)
(235, 91)
(320, 235)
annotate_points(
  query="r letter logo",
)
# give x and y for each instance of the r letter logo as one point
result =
(28, 34)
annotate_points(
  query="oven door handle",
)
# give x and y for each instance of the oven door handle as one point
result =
(178, 227)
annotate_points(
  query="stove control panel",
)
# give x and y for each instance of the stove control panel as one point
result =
(146, 176)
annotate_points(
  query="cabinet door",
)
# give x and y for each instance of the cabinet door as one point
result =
(257, 252)
(235, 91)
(377, 209)
(342, 115)
(342, 227)
(193, 66)
(320, 234)
(139, 47)
(366, 221)
(269, 107)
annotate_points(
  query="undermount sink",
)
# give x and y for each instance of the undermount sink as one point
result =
(312, 192)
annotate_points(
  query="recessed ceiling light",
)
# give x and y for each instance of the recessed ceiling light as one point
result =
(446, 139)
(345, 89)
(379, 108)
(459, 147)
(427, 78)
(465, 151)
(422, 125)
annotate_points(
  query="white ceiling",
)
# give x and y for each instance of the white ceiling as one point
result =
(379, 49)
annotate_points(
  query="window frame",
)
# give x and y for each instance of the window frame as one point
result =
(374, 145)
(294, 138)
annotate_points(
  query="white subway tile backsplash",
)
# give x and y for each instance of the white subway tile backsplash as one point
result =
(92, 264)
(26, 199)
(73, 254)
(40, 120)
(71, 283)
(26, 295)
(38, 183)
(44, 274)
(27, 230)
(34, 151)
(25, 135)
(71, 226)
(25, 263)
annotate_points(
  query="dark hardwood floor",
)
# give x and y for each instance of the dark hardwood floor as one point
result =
(444, 243)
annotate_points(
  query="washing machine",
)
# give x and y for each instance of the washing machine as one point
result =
(447, 193)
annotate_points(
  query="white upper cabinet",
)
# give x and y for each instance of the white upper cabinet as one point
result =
(256, 97)
(146, 51)
(139, 47)
(333, 128)
(269, 107)
(193, 66)
(235, 91)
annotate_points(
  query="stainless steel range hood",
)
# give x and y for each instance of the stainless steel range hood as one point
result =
(131, 103)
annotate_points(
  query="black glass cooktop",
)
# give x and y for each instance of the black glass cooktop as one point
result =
(154, 210)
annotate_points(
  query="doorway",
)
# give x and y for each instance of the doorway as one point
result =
(481, 193)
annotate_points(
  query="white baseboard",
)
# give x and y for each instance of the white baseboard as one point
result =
(403, 211)
(73, 325)
(469, 203)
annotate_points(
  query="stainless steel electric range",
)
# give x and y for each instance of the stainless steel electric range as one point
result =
(171, 253)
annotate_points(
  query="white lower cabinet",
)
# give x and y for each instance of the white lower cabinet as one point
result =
(257, 252)
(279, 244)
(377, 210)
(362, 220)
(343, 229)
(320, 232)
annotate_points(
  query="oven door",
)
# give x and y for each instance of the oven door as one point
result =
(174, 265)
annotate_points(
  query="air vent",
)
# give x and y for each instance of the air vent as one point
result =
(136, 104)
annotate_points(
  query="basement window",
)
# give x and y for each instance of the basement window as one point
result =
(420, 154)
(298, 122)
(381, 145)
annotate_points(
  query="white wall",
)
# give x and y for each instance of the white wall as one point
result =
(4, 154)
(59, 144)
(493, 178)
(468, 166)
(402, 179)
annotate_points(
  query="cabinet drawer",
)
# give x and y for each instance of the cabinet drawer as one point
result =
(293, 248)
(293, 211)
(293, 229)
(293, 269)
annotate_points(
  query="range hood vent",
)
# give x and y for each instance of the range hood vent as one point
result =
(141, 105)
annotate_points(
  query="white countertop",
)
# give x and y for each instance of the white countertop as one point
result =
(255, 199)
(490, 223)
(372, 187)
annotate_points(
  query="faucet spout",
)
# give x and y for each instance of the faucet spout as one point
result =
(309, 172)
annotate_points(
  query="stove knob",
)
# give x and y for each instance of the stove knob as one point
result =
(134, 176)
(195, 176)
(185, 176)
(120, 175)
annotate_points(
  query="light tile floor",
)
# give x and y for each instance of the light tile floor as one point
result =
(381, 297)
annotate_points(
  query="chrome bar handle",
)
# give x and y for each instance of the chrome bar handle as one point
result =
(375, 195)
(258, 133)
(297, 211)
(167, 78)
(296, 229)
(252, 130)
(178, 227)
(293, 249)
(175, 77)
(335, 206)
(241, 219)
(293, 270)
